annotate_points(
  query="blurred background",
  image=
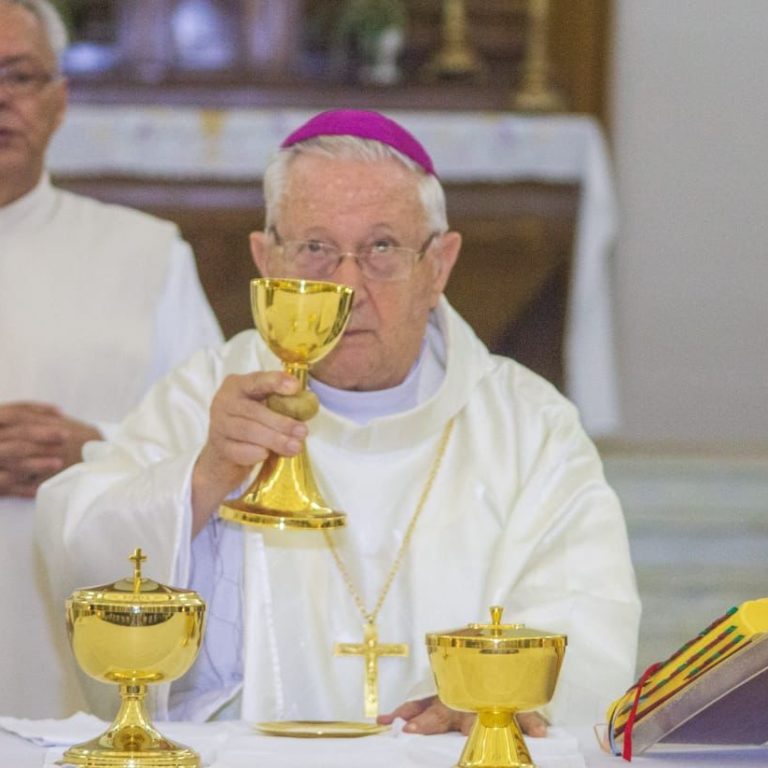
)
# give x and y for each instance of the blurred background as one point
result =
(606, 162)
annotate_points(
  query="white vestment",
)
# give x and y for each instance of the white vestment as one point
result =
(96, 303)
(519, 515)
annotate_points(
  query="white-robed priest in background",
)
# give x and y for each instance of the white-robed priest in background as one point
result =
(96, 303)
(418, 421)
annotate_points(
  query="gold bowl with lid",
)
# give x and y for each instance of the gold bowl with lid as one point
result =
(133, 633)
(495, 670)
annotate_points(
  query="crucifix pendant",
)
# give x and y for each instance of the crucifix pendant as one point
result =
(370, 649)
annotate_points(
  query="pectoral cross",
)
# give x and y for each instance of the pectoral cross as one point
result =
(370, 649)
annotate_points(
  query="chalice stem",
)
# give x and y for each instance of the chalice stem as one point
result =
(299, 371)
(286, 483)
(131, 730)
(495, 742)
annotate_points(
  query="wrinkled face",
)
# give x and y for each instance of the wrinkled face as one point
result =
(26, 122)
(351, 204)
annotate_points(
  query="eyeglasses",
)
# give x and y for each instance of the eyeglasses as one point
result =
(381, 260)
(20, 81)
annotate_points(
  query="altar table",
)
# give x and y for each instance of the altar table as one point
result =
(243, 748)
(236, 144)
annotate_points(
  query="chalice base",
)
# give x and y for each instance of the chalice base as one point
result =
(112, 750)
(495, 742)
(284, 495)
(262, 517)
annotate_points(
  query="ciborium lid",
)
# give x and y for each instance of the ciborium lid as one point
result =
(496, 636)
(137, 593)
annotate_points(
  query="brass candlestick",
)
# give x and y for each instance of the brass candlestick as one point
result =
(536, 92)
(456, 57)
(134, 633)
(495, 670)
(301, 321)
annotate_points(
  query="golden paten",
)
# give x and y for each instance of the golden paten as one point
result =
(301, 321)
(495, 670)
(319, 729)
(134, 633)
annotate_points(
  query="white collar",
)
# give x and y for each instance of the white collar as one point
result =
(466, 362)
(422, 381)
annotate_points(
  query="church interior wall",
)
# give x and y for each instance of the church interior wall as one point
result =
(688, 115)
(687, 125)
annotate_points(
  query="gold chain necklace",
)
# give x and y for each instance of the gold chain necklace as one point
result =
(370, 649)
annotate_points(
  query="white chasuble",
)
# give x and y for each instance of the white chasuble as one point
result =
(97, 302)
(83, 284)
(519, 515)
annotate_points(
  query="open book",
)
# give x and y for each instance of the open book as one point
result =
(713, 690)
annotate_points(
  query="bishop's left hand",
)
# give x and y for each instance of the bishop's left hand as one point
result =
(430, 716)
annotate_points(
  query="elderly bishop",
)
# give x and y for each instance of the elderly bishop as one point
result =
(467, 479)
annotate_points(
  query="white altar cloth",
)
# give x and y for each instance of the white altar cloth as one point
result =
(237, 745)
(235, 144)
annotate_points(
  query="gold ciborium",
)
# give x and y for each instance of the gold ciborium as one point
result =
(134, 633)
(495, 670)
(301, 321)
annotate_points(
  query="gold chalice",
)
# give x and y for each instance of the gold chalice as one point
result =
(133, 633)
(495, 670)
(301, 321)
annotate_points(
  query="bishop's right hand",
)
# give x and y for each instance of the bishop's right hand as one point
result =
(242, 432)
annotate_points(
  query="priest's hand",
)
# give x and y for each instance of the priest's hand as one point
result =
(241, 433)
(36, 441)
(429, 716)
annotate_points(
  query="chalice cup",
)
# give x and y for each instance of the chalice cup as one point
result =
(134, 633)
(495, 670)
(301, 321)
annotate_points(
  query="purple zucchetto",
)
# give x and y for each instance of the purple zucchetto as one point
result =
(364, 124)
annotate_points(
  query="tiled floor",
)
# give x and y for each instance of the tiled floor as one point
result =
(698, 528)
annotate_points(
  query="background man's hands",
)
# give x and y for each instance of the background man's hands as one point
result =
(36, 441)
(242, 432)
(430, 716)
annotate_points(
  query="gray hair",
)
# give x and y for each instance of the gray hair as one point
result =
(352, 148)
(55, 30)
